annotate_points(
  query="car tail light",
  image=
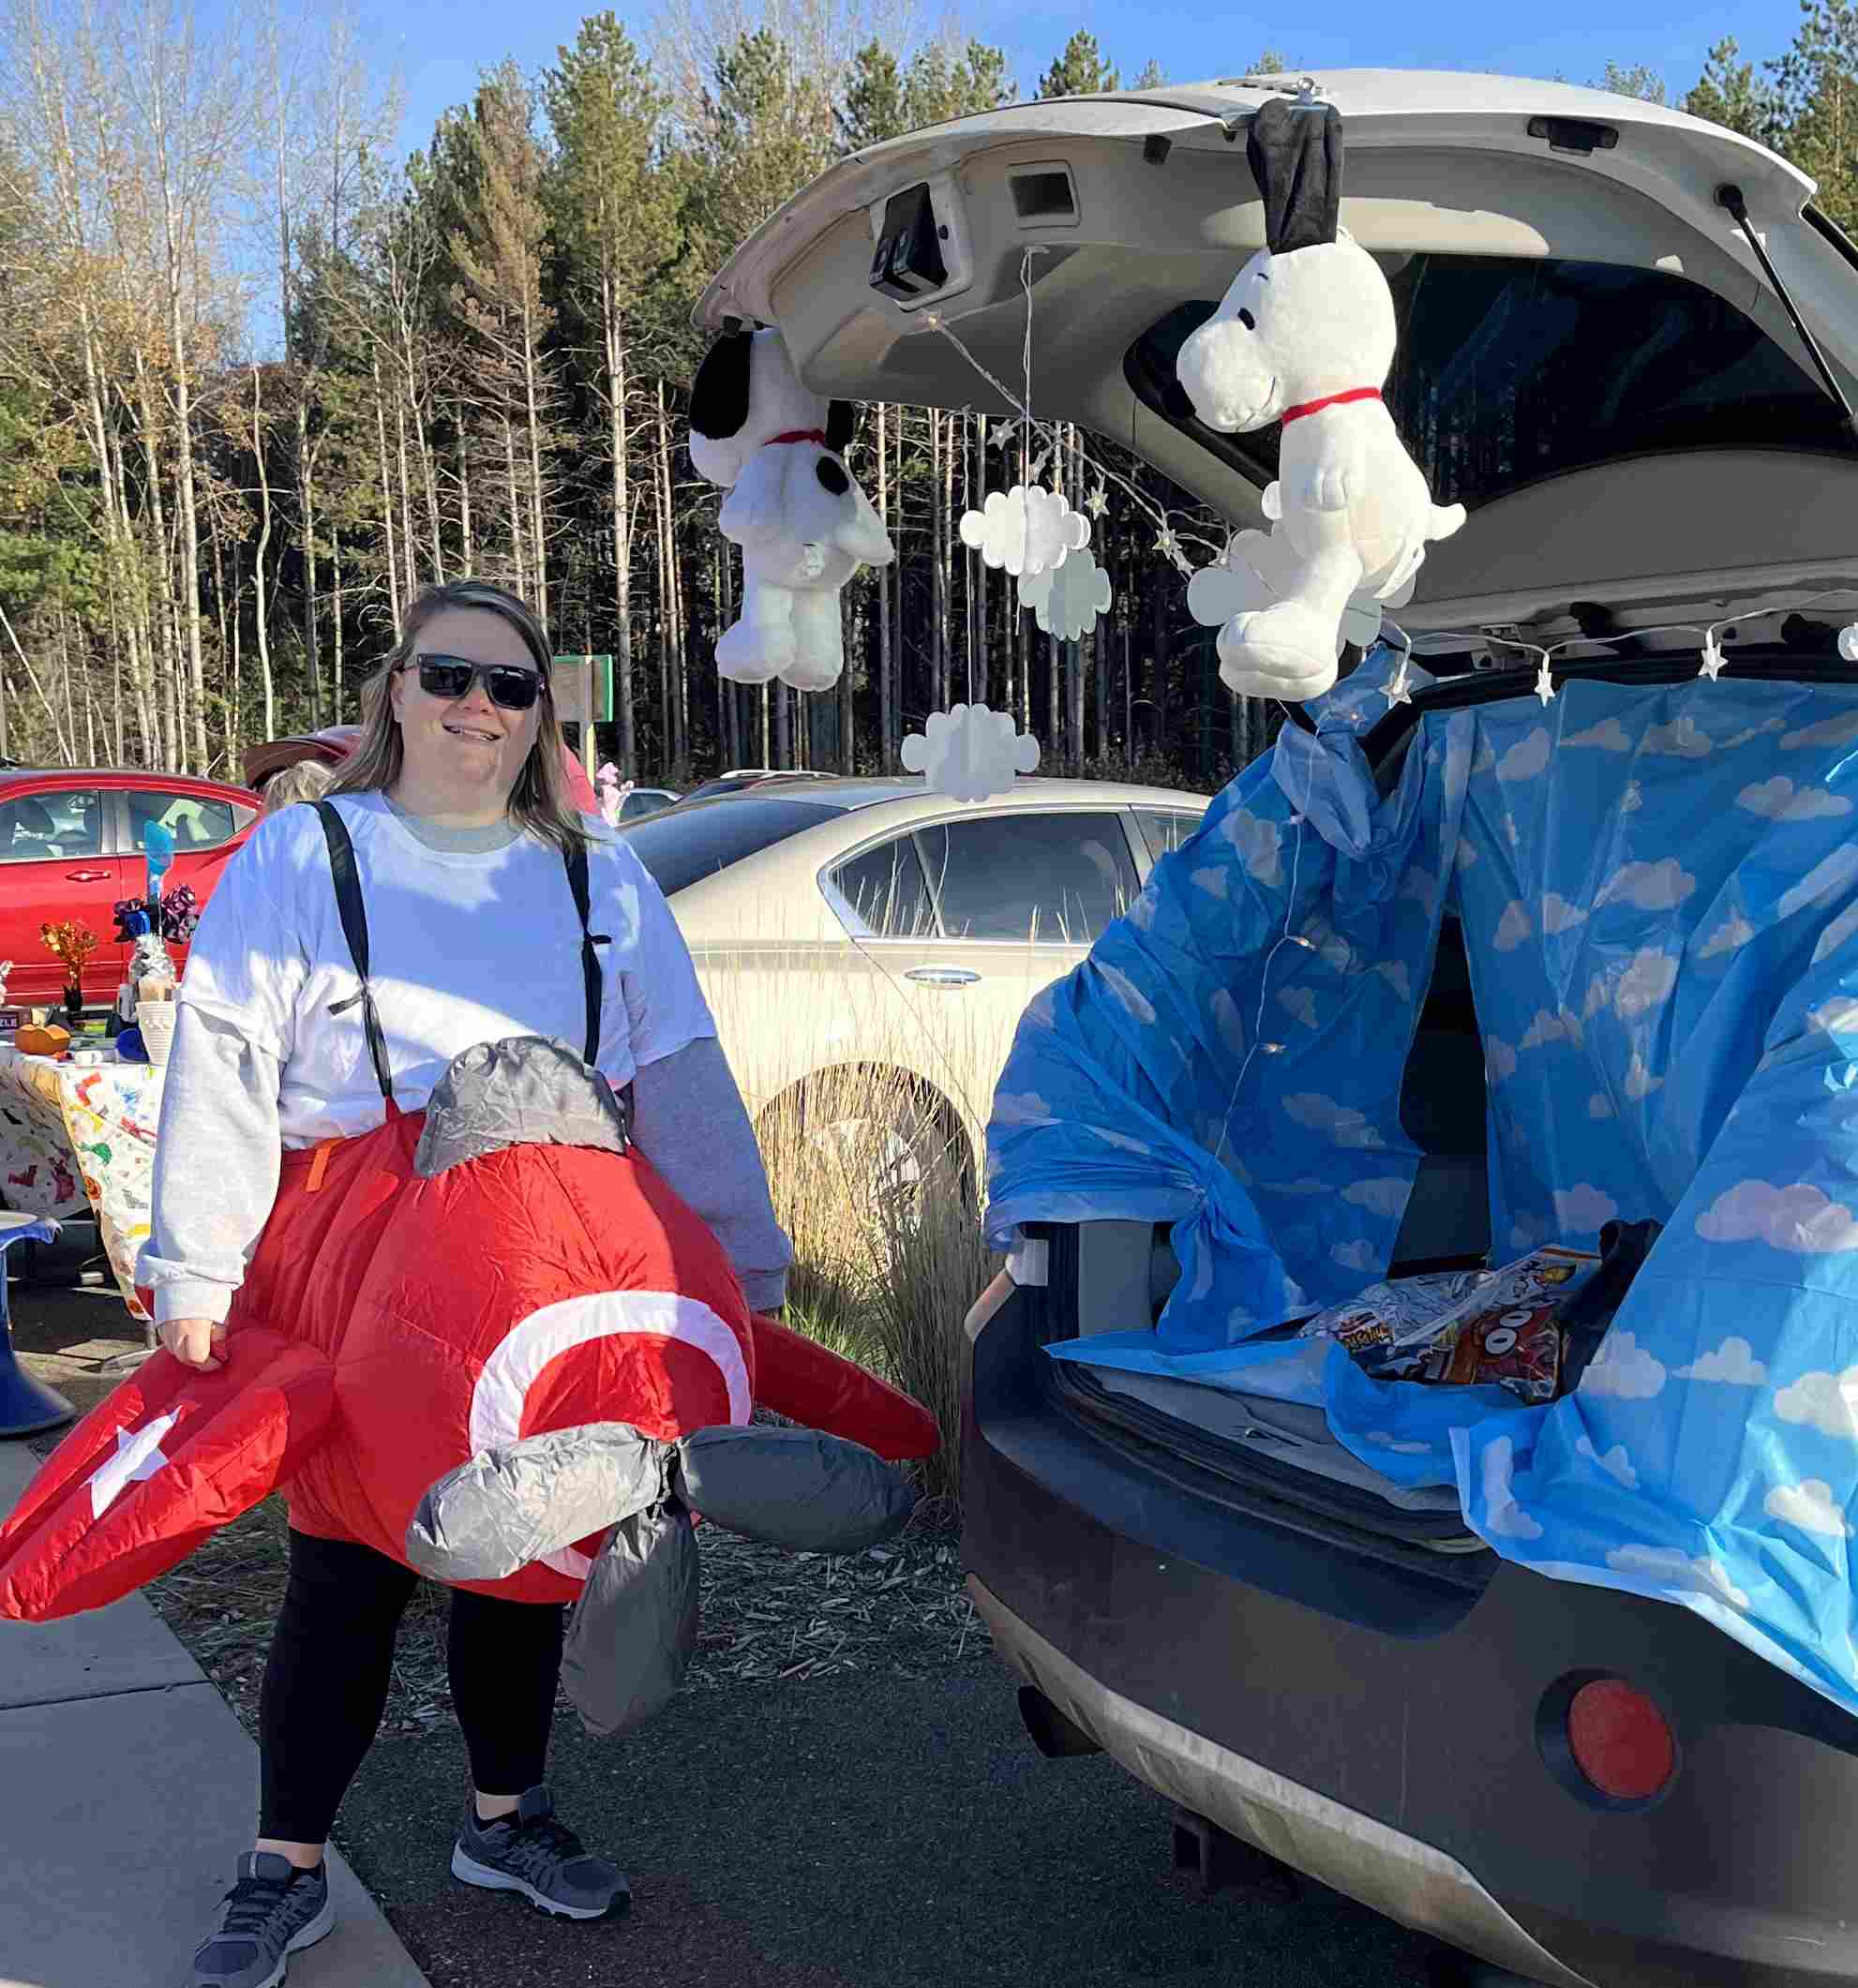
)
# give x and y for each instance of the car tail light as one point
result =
(1620, 1739)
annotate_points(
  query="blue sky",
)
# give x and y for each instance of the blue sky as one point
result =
(440, 45)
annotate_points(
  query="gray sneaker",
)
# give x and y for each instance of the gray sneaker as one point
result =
(273, 1911)
(531, 1853)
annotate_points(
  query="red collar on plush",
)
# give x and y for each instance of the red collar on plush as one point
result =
(1332, 401)
(817, 435)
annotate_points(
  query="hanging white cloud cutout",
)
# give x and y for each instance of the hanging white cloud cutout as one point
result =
(1027, 529)
(1066, 600)
(1256, 570)
(970, 753)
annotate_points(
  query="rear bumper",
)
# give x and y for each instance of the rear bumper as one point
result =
(1383, 1727)
(1383, 1869)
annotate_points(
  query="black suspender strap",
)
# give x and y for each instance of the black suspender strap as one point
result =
(590, 959)
(354, 929)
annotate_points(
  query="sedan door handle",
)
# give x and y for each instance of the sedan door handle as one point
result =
(86, 876)
(942, 975)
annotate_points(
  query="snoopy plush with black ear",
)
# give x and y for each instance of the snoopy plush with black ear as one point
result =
(1305, 336)
(805, 527)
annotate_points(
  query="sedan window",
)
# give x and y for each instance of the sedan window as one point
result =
(63, 821)
(883, 892)
(695, 839)
(1054, 878)
(196, 821)
(1164, 831)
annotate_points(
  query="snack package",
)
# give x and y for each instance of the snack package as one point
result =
(1506, 1334)
(1389, 1315)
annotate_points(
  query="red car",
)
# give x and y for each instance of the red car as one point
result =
(70, 847)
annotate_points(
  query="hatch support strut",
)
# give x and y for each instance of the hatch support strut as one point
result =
(1729, 198)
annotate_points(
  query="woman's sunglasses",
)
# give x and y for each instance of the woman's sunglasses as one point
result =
(508, 685)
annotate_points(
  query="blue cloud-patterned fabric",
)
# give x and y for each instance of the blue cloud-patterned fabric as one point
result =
(1659, 892)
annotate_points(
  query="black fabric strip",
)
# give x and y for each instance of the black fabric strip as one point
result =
(349, 903)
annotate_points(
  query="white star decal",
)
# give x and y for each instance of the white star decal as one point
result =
(1098, 501)
(137, 1456)
(1545, 684)
(1713, 658)
(1399, 690)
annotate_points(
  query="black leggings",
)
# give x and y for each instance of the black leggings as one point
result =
(325, 1683)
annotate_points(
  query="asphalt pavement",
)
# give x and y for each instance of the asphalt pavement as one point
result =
(870, 1834)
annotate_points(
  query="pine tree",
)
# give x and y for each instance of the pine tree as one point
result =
(1816, 103)
(1731, 93)
(1636, 80)
(499, 251)
(615, 219)
(1080, 71)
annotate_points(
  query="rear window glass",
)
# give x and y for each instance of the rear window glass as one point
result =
(1511, 371)
(685, 844)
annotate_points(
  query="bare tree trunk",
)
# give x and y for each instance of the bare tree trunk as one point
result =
(467, 543)
(1129, 661)
(312, 631)
(534, 411)
(977, 571)
(386, 502)
(516, 507)
(140, 633)
(260, 601)
(173, 748)
(847, 704)
(177, 359)
(312, 617)
(620, 442)
(407, 542)
(733, 754)
(1157, 667)
(885, 659)
(336, 682)
(938, 571)
(671, 669)
(427, 475)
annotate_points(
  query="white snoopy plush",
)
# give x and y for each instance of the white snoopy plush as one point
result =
(805, 527)
(1305, 336)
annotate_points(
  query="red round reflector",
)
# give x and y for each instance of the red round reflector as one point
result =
(1620, 1739)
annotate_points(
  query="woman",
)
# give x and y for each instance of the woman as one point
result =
(452, 803)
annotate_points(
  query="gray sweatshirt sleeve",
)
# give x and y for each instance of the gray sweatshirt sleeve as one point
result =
(689, 1121)
(216, 1168)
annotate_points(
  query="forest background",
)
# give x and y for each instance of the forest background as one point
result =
(263, 376)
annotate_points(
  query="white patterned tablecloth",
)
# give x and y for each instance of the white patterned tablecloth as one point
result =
(77, 1137)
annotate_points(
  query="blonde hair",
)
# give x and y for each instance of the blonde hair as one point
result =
(538, 802)
(305, 780)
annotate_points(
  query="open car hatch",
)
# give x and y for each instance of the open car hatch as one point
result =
(1593, 358)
